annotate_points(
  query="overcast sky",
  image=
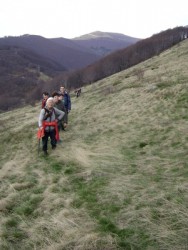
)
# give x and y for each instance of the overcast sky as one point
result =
(73, 18)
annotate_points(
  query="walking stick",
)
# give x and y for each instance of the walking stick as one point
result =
(38, 146)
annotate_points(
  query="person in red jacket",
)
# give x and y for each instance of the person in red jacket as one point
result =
(45, 96)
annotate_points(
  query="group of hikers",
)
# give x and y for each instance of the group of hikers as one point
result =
(53, 117)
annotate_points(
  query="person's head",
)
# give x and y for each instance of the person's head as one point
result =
(45, 95)
(60, 97)
(50, 102)
(62, 89)
(55, 96)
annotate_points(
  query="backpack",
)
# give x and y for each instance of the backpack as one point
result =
(48, 113)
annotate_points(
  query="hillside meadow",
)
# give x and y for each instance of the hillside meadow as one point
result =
(119, 179)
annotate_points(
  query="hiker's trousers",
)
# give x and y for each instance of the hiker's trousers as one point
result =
(50, 134)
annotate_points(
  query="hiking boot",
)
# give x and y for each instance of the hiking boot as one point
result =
(53, 147)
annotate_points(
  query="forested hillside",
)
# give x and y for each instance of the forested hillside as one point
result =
(22, 74)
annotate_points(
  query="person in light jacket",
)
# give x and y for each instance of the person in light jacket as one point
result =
(48, 119)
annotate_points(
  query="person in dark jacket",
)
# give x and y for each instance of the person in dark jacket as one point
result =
(67, 103)
(58, 103)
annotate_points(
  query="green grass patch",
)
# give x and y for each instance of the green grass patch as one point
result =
(163, 85)
(104, 212)
(24, 204)
(116, 83)
(126, 236)
(12, 233)
(71, 168)
(28, 205)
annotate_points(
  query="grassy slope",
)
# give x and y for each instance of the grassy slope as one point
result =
(118, 181)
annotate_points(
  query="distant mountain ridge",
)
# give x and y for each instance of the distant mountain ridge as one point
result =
(104, 43)
(100, 34)
(71, 53)
(68, 58)
(28, 62)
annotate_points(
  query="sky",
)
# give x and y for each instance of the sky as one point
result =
(73, 18)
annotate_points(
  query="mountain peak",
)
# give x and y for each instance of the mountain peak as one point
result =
(101, 34)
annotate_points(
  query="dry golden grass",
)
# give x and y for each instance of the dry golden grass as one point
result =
(118, 180)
